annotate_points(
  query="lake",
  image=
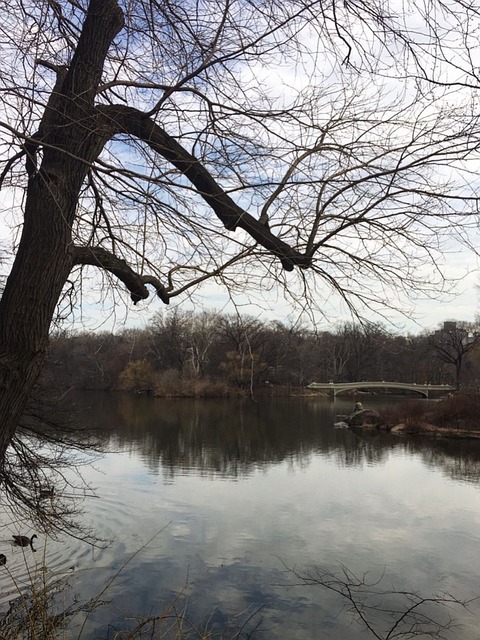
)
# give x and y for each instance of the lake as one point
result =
(216, 510)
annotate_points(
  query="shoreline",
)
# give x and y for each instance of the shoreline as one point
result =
(431, 430)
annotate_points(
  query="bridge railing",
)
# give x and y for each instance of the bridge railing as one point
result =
(422, 389)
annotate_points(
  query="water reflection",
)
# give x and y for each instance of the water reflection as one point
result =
(241, 489)
(458, 459)
(232, 438)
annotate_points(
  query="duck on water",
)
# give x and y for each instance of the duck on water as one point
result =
(24, 541)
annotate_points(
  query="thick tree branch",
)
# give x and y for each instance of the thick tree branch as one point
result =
(135, 282)
(103, 21)
(131, 121)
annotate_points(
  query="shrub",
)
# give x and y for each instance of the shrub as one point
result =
(137, 375)
(411, 413)
(171, 384)
(460, 411)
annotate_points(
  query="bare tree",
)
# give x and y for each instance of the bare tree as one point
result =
(204, 328)
(178, 339)
(155, 144)
(452, 342)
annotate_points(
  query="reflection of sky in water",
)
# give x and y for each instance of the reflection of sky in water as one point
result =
(324, 498)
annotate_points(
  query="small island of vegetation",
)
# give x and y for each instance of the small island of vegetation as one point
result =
(455, 416)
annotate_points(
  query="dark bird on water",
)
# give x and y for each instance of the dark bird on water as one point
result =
(3, 559)
(24, 541)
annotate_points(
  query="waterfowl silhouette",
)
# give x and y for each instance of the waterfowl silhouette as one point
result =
(3, 559)
(24, 541)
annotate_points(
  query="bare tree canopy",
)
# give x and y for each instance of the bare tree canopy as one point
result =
(324, 146)
(452, 342)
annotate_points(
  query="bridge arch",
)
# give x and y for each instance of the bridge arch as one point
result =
(421, 392)
(334, 388)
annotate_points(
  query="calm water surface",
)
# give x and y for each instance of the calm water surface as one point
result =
(238, 492)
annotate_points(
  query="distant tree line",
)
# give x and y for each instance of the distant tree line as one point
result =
(209, 353)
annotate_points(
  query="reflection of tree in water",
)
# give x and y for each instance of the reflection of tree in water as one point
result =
(459, 459)
(367, 447)
(230, 438)
(233, 438)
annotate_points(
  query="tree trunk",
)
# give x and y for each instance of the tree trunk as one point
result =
(44, 258)
(458, 373)
(41, 267)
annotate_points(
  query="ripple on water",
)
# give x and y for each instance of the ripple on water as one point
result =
(57, 557)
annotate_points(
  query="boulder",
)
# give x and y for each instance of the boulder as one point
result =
(365, 418)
